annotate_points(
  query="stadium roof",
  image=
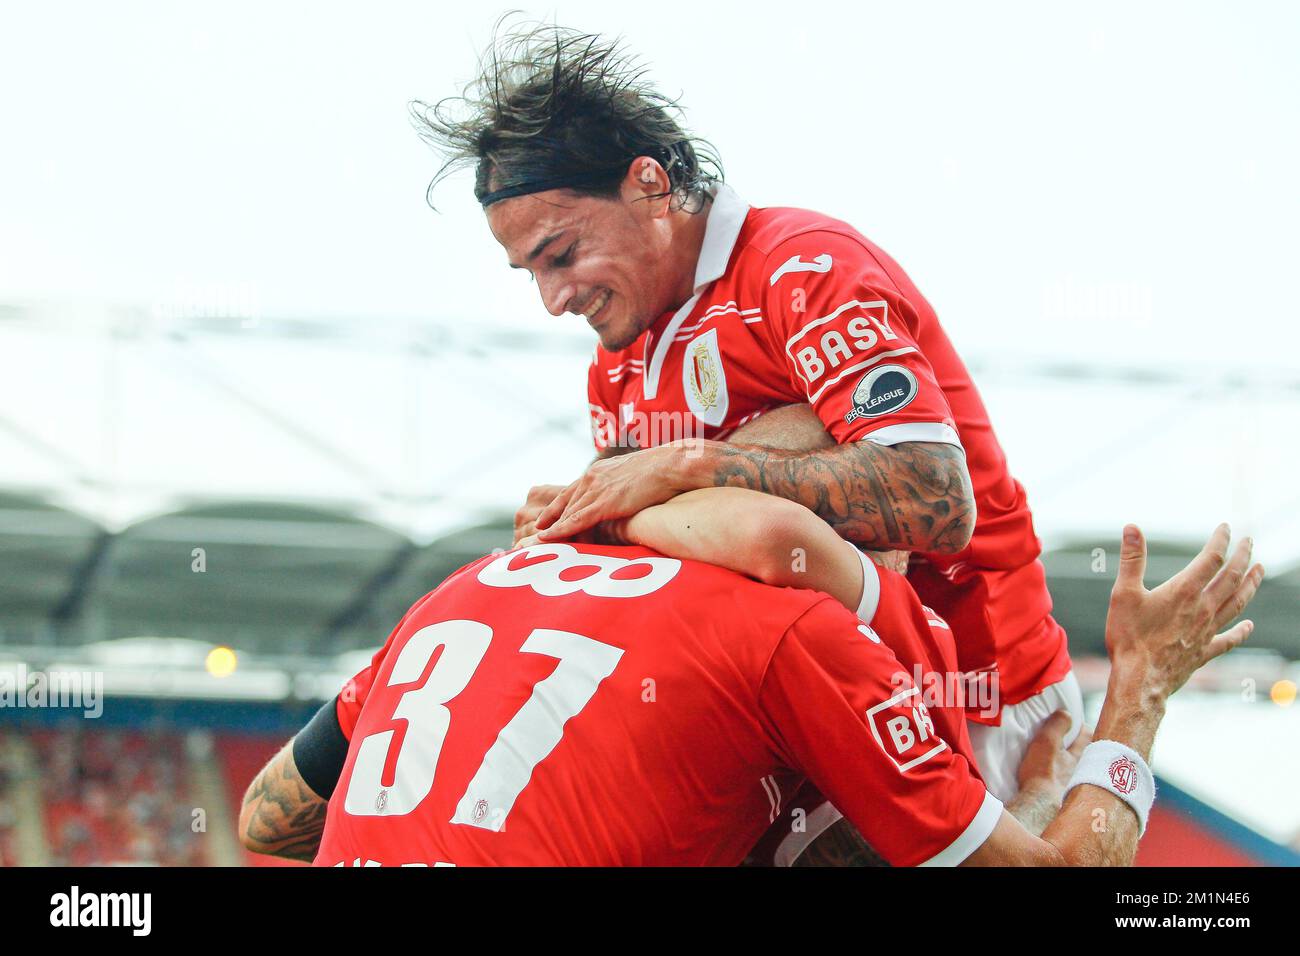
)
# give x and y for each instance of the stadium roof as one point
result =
(332, 472)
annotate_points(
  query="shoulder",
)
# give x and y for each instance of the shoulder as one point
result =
(828, 646)
(747, 601)
(779, 240)
(827, 622)
(773, 229)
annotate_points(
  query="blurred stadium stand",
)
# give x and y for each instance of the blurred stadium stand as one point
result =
(331, 473)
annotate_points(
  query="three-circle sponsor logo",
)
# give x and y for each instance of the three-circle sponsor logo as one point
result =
(882, 390)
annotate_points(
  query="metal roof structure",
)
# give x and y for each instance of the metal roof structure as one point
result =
(291, 487)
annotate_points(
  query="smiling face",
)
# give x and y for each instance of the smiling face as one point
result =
(610, 260)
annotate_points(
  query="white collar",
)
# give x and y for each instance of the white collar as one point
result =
(726, 215)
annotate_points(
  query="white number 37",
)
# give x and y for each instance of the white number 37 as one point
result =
(530, 735)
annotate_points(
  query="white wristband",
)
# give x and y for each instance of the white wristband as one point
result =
(1121, 770)
(870, 587)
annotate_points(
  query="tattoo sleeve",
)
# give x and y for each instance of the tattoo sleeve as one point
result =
(840, 845)
(281, 815)
(914, 496)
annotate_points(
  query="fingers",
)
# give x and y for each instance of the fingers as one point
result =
(527, 542)
(1052, 732)
(1229, 578)
(523, 530)
(1228, 640)
(1081, 741)
(1239, 599)
(576, 516)
(1132, 559)
(556, 507)
(1206, 564)
(539, 496)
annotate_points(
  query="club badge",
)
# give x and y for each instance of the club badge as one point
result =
(703, 379)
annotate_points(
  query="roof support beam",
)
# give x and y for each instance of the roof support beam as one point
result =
(83, 577)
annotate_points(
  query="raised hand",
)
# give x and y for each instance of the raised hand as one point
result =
(1160, 637)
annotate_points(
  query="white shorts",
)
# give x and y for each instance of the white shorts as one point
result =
(999, 750)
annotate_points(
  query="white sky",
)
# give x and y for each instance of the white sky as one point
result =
(1023, 161)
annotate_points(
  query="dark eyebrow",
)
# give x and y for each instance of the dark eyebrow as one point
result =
(539, 249)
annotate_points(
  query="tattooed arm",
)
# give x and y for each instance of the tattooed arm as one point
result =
(914, 496)
(282, 815)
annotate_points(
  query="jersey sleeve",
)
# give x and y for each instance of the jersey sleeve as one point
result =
(924, 641)
(897, 609)
(842, 710)
(352, 697)
(848, 339)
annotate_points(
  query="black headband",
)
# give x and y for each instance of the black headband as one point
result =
(549, 182)
(667, 155)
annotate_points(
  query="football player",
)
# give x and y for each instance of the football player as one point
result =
(710, 312)
(594, 705)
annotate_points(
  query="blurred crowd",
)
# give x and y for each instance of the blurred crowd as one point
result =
(8, 816)
(116, 797)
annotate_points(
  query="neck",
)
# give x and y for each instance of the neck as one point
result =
(688, 240)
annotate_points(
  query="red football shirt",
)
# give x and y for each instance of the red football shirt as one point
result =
(914, 633)
(793, 306)
(587, 705)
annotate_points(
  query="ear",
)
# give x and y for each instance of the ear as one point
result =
(647, 184)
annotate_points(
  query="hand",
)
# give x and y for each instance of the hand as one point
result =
(613, 488)
(1159, 638)
(1048, 765)
(539, 496)
(607, 532)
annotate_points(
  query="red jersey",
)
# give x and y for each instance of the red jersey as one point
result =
(914, 633)
(588, 705)
(793, 306)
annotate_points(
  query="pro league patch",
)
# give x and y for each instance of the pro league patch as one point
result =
(882, 390)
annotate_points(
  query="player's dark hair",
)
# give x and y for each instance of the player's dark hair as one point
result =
(553, 107)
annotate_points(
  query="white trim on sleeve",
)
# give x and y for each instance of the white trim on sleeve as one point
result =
(915, 431)
(818, 822)
(870, 602)
(973, 837)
